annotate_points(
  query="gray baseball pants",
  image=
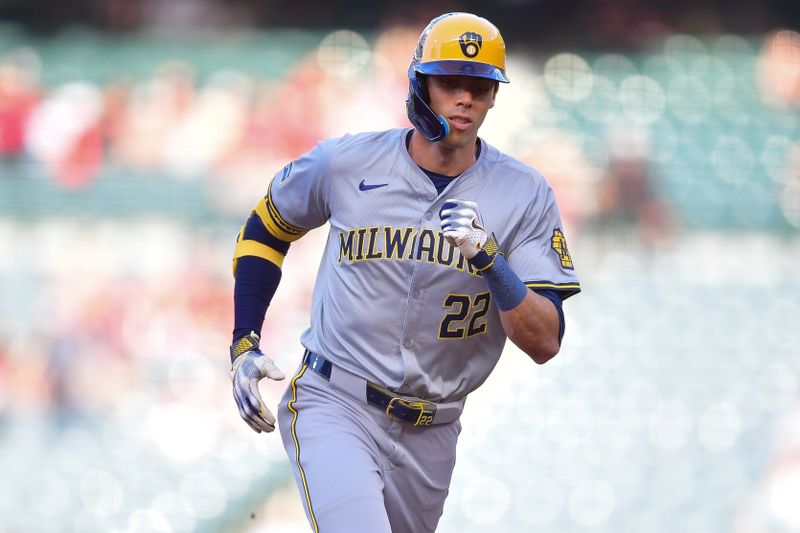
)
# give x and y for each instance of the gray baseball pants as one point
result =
(358, 470)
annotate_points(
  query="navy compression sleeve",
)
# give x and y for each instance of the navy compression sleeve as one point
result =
(257, 280)
(256, 283)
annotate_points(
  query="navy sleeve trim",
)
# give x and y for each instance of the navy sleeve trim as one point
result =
(557, 298)
(566, 289)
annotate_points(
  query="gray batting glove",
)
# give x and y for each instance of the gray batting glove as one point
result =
(462, 226)
(249, 366)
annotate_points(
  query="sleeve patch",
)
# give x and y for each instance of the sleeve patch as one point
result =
(559, 245)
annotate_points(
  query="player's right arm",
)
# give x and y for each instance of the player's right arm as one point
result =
(296, 201)
(532, 319)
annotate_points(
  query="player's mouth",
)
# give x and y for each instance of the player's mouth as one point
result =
(460, 122)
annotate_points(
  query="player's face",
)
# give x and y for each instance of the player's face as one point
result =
(464, 102)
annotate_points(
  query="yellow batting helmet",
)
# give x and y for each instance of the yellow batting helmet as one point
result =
(453, 44)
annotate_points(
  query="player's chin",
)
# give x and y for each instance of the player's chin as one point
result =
(460, 138)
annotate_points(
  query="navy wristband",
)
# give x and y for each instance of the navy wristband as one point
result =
(507, 289)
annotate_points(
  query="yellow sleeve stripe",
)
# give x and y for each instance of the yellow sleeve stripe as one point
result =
(274, 222)
(272, 227)
(279, 220)
(257, 249)
(553, 286)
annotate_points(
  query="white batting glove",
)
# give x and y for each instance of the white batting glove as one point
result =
(249, 367)
(462, 226)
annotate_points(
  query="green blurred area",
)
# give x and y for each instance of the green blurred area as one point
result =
(83, 54)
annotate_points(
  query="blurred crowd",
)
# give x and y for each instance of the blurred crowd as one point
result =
(232, 127)
(177, 125)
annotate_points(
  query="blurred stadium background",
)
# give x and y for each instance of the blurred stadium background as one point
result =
(136, 135)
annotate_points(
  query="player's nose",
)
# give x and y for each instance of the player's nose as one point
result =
(464, 96)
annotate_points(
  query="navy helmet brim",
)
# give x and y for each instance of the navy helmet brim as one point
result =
(461, 68)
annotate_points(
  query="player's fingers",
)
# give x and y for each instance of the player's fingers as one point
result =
(450, 210)
(448, 204)
(463, 205)
(455, 203)
(268, 368)
(251, 413)
(267, 420)
(244, 409)
(451, 237)
(243, 412)
(455, 233)
(255, 401)
(262, 416)
(458, 216)
(251, 406)
(261, 423)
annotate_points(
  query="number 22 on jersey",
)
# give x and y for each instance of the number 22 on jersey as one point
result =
(464, 320)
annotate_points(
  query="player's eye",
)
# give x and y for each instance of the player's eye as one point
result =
(481, 89)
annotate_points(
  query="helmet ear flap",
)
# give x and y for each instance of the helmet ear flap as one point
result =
(422, 86)
(432, 126)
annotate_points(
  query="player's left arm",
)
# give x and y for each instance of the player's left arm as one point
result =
(533, 325)
(534, 321)
(299, 191)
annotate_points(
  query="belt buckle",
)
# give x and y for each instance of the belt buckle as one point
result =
(425, 417)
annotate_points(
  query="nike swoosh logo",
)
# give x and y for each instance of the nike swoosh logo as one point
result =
(364, 187)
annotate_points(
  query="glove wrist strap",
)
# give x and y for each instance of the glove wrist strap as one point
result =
(481, 261)
(485, 257)
(245, 344)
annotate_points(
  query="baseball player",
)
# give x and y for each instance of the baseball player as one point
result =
(440, 247)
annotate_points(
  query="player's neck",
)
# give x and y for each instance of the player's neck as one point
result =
(440, 158)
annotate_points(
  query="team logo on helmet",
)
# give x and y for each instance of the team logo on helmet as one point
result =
(559, 244)
(471, 43)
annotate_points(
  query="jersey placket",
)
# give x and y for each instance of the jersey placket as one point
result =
(416, 305)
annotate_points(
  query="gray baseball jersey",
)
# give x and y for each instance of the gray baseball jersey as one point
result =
(394, 302)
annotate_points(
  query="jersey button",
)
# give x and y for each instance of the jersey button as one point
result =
(428, 215)
(431, 197)
(415, 294)
(408, 343)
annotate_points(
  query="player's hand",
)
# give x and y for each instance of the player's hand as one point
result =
(462, 226)
(249, 367)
